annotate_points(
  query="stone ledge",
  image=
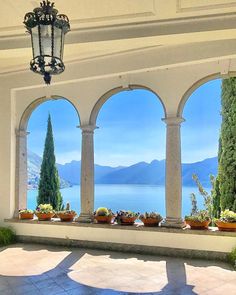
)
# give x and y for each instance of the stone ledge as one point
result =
(127, 248)
(136, 227)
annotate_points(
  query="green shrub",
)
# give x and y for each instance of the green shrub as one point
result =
(232, 257)
(7, 236)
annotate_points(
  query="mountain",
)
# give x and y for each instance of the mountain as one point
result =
(154, 173)
(34, 164)
(71, 171)
(140, 173)
(203, 169)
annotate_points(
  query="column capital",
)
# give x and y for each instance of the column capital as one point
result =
(87, 128)
(21, 133)
(173, 121)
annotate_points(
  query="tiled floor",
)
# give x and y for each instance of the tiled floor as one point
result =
(43, 270)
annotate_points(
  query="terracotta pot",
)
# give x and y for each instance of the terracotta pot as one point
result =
(150, 221)
(66, 217)
(198, 224)
(26, 215)
(104, 219)
(127, 220)
(44, 216)
(226, 226)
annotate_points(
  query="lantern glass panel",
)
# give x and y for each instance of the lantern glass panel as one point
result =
(35, 41)
(46, 39)
(62, 45)
(57, 42)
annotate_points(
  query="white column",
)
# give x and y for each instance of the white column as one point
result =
(87, 174)
(21, 171)
(173, 186)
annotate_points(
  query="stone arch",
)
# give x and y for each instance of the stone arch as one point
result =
(101, 101)
(34, 104)
(106, 96)
(21, 150)
(196, 85)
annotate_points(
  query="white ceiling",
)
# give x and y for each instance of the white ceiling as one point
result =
(106, 27)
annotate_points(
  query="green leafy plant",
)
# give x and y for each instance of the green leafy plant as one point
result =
(200, 216)
(127, 213)
(103, 211)
(227, 216)
(123, 215)
(26, 211)
(232, 257)
(206, 214)
(7, 236)
(44, 208)
(153, 215)
(67, 210)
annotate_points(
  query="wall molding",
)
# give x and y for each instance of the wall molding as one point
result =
(202, 5)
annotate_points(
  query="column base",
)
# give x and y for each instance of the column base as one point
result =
(85, 218)
(16, 213)
(173, 222)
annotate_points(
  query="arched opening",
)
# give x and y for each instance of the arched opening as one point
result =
(67, 144)
(200, 136)
(130, 152)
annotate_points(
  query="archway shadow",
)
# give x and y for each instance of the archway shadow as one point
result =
(58, 280)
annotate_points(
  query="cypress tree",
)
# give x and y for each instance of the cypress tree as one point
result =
(216, 199)
(49, 184)
(227, 161)
(216, 188)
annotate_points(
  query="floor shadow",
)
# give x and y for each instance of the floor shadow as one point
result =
(177, 281)
(58, 281)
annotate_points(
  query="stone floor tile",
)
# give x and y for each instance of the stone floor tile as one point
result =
(62, 271)
(34, 292)
(45, 283)
(227, 288)
(51, 290)
(22, 290)
(18, 281)
(55, 273)
(7, 292)
(68, 284)
(82, 290)
(3, 287)
(38, 278)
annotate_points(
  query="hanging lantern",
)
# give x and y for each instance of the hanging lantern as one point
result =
(47, 29)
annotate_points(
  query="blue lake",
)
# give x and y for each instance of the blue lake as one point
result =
(139, 198)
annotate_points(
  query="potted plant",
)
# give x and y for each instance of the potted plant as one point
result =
(150, 219)
(124, 217)
(44, 212)
(26, 214)
(227, 221)
(104, 215)
(200, 219)
(67, 214)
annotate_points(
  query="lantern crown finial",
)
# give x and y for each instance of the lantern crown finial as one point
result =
(46, 3)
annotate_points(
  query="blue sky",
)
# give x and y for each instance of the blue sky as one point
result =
(130, 128)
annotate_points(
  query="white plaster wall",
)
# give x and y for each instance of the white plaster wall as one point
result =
(169, 84)
(84, 84)
(133, 237)
(7, 154)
